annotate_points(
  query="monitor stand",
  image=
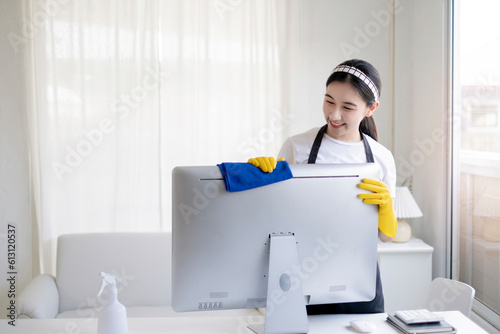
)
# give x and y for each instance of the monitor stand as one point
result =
(285, 306)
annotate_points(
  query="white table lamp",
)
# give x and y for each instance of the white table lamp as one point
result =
(405, 206)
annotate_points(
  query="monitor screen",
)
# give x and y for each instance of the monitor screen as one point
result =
(222, 256)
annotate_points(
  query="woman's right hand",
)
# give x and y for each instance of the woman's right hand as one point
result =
(266, 164)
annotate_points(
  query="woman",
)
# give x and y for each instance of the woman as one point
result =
(350, 136)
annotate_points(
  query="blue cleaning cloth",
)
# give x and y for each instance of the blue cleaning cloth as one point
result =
(239, 176)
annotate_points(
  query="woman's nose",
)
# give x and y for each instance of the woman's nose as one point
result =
(334, 114)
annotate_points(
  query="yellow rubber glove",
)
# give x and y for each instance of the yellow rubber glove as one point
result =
(266, 164)
(387, 222)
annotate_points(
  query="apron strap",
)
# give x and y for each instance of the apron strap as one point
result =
(317, 143)
(368, 149)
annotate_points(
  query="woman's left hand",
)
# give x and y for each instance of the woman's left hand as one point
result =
(387, 222)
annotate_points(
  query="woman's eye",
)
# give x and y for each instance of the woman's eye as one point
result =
(330, 102)
(346, 108)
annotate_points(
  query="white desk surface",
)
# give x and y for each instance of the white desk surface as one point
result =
(318, 324)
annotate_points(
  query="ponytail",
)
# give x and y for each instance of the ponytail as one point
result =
(368, 127)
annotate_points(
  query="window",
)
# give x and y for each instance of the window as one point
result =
(477, 151)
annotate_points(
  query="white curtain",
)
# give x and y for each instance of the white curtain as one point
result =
(123, 91)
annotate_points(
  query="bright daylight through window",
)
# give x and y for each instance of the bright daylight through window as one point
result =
(477, 147)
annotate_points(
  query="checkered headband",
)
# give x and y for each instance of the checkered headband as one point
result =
(357, 73)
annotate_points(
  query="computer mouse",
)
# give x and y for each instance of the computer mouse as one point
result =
(362, 326)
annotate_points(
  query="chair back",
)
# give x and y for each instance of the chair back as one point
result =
(450, 295)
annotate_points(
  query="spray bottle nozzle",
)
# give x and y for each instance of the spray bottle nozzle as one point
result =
(107, 279)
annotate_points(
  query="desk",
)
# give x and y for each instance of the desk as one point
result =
(318, 324)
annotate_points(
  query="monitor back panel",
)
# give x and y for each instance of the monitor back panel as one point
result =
(221, 240)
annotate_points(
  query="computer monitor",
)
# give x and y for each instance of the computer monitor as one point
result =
(306, 240)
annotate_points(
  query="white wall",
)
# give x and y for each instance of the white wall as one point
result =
(412, 57)
(341, 30)
(421, 117)
(14, 171)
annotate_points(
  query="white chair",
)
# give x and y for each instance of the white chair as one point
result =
(450, 295)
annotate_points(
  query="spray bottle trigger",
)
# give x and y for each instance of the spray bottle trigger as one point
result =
(107, 279)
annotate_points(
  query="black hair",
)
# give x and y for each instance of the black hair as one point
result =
(367, 125)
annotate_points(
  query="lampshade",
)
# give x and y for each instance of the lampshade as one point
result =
(406, 206)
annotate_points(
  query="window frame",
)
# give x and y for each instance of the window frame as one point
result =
(462, 161)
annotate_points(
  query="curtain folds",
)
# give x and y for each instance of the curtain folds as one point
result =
(123, 91)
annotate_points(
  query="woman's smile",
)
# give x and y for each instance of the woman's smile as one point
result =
(336, 125)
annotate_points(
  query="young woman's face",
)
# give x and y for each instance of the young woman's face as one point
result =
(344, 109)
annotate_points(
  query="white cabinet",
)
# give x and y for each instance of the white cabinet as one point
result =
(406, 273)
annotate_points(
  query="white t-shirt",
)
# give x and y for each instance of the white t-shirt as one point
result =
(296, 150)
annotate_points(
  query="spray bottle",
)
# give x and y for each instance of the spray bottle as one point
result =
(113, 317)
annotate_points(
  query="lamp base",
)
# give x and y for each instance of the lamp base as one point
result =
(404, 232)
